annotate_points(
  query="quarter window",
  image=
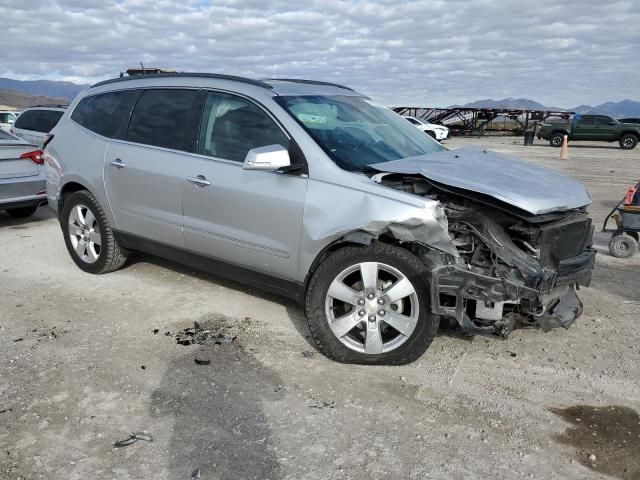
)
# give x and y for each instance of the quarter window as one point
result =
(166, 118)
(231, 126)
(38, 120)
(106, 114)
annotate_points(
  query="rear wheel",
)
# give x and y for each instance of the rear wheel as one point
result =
(22, 212)
(623, 246)
(88, 235)
(628, 141)
(556, 139)
(370, 305)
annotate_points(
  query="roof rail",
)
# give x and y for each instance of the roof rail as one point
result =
(218, 76)
(48, 105)
(310, 82)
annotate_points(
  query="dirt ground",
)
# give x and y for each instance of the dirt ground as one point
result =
(85, 361)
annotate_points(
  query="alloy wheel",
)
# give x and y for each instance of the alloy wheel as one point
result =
(372, 307)
(84, 233)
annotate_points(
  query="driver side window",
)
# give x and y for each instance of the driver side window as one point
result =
(231, 126)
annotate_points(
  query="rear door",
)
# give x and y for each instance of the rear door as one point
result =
(245, 217)
(144, 172)
(584, 128)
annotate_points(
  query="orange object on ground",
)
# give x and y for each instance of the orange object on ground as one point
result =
(631, 193)
(564, 151)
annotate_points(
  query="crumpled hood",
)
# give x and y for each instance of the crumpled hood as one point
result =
(524, 185)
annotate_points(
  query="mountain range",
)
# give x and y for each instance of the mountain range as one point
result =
(16, 93)
(46, 88)
(621, 109)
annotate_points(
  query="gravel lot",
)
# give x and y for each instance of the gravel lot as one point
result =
(81, 368)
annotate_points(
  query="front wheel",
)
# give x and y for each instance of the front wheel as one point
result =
(628, 141)
(370, 305)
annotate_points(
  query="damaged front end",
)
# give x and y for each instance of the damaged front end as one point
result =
(512, 268)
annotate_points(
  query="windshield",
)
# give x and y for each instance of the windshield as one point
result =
(356, 133)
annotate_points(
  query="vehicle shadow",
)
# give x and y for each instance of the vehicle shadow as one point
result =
(42, 213)
(213, 414)
(295, 312)
(608, 146)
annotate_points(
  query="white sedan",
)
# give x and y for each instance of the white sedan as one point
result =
(7, 119)
(439, 132)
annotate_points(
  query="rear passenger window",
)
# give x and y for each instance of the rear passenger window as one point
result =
(106, 114)
(166, 118)
(586, 121)
(231, 126)
(38, 120)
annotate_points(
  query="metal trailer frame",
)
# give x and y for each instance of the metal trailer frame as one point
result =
(474, 121)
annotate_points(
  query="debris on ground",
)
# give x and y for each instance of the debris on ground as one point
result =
(18, 340)
(155, 331)
(6, 410)
(212, 330)
(307, 354)
(323, 404)
(196, 473)
(133, 438)
(202, 361)
(143, 367)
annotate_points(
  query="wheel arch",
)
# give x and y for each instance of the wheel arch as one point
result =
(67, 189)
(630, 132)
(355, 237)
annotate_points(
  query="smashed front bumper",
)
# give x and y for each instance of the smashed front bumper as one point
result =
(491, 305)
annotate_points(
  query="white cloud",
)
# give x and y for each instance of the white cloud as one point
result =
(399, 52)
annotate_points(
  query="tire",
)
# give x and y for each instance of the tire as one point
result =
(556, 139)
(386, 345)
(623, 246)
(22, 212)
(628, 141)
(82, 213)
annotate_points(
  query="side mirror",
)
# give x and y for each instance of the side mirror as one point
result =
(270, 158)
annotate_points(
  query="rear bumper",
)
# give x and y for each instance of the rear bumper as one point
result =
(35, 200)
(22, 192)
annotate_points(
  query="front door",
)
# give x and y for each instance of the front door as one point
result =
(245, 217)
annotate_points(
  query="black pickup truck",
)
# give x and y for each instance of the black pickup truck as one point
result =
(593, 128)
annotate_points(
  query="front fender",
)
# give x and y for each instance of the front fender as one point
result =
(334, 211)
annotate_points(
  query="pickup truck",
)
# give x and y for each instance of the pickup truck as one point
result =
(593, 128)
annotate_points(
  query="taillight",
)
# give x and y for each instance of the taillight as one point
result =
(36, 156)
(47, 138)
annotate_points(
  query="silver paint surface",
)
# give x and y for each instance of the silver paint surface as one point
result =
(530, 187)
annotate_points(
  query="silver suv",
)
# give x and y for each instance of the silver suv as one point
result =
(310, 190)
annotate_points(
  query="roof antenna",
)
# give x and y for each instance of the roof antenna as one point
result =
(142, 67)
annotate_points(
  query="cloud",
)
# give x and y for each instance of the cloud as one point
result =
(430, 52)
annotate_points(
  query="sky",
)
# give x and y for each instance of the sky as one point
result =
(433, 52)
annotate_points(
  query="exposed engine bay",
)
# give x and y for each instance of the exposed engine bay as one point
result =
(514, 269)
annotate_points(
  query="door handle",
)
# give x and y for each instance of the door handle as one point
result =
(117, 163)
(200, 181)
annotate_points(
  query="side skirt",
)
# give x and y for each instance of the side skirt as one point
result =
(261, 281)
